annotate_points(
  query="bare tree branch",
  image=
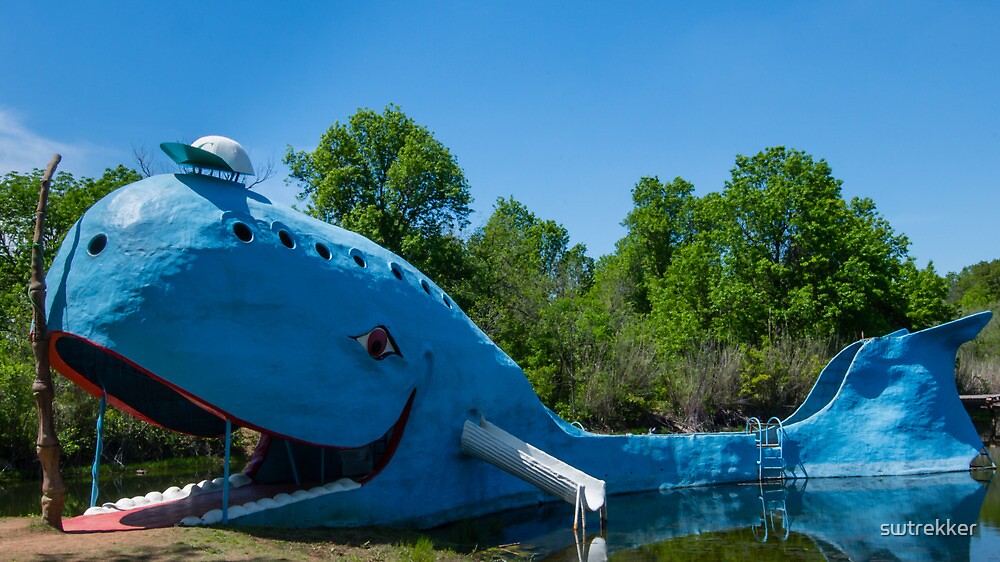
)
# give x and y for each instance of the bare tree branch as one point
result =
(266, 171)
(143, 159)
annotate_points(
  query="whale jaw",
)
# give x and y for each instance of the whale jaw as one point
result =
(133, 389)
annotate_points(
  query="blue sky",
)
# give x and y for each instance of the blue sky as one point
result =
(564, 105)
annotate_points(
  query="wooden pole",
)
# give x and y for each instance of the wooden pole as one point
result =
(47, 446)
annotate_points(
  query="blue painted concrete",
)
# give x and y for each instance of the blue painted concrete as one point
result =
(269, 333)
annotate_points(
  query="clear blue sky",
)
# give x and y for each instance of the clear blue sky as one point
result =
(564, 105)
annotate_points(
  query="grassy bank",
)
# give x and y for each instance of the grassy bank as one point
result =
(27, 539)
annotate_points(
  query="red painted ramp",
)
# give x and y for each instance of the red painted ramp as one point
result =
(168, 514)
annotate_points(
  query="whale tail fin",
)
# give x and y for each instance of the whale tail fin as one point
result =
(896, 410)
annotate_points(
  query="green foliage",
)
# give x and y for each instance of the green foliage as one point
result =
(523, 265)
(659, 223)
(780, 253)
(977, 288)
(126, 439)
(17, 414)
(711, 307)
(423, 550)
(527, 283)
(777, 376)
(620, 382)
(388, 178)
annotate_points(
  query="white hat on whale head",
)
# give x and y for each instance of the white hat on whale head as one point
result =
(212, 152)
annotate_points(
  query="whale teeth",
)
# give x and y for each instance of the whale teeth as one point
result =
(319, 491)
(125, 503)
(267, 503)
(172, 493)
(279, 500)
(212, 517)
(239, 479)
(251, 507)
(215, 516)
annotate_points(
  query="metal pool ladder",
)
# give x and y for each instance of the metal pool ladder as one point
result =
(769, 439)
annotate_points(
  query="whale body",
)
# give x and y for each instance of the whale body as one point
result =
(189, 301)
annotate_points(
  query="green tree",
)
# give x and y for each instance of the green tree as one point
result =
(659, 223)
(976, 287)
(387, 178)
(68, 199)
(780, 253)
(522, 265)
(525, 280)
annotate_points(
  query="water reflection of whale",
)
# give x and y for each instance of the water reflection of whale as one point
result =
(842, 519)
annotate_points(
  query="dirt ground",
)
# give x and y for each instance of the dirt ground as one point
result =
(28, 539)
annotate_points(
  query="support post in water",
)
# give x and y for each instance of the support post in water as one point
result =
(95, 471)
(225, 473)
(47, 446)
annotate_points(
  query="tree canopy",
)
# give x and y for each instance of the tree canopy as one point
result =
(386, 177)
(780, 252)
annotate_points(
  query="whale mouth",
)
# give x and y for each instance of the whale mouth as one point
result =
(281, 460)
(264, 485)
(277, 459)
(127, 386)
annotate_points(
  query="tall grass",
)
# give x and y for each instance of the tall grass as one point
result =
(978, 369)
(714, 385)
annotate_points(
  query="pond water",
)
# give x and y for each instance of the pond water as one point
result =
(21, 498)
(891, 518)
(819, 519)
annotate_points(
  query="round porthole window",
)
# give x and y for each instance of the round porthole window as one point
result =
(286, 239)
(242, 231)
(97, 244)
(358, 257)
(397, 271)
(323, 251)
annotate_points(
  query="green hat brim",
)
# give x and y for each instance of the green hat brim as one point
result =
(187, 155)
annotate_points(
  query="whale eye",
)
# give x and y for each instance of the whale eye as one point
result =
(378, 343)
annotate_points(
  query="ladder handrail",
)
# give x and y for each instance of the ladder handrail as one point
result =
(775, 422)
(762, 434)
(751, 422)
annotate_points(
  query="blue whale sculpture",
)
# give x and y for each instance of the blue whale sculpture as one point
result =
(189, 301)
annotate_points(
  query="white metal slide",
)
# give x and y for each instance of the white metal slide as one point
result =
(501, 449)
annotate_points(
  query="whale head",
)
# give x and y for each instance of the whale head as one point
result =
(188, 300)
